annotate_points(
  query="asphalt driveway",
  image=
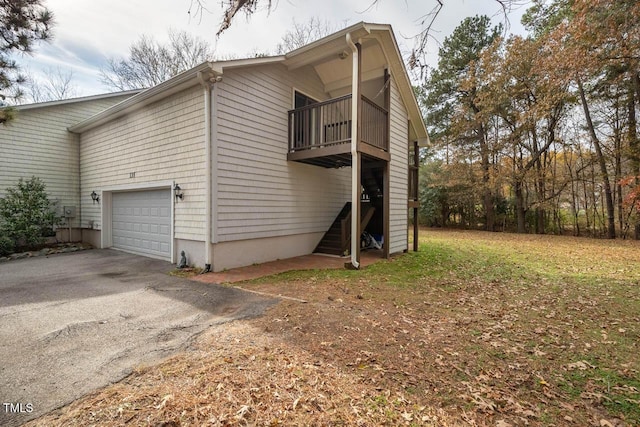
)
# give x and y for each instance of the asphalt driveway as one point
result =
(73, 323)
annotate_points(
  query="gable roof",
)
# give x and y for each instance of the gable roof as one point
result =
(379, 46)
(174, 85)
(47, 104)
(325, 55)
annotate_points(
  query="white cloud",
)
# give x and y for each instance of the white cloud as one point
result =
(86, 33)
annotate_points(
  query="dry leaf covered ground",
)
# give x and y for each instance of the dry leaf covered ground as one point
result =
(475, 329)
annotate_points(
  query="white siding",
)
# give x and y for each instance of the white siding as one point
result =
(37, 143)
(259, 193)
(399, 150)
(161, 142)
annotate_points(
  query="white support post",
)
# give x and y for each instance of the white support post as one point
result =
(355, 155)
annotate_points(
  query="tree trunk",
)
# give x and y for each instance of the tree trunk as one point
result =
(575, 203)
(617, 154)
(487, 195)
(611, 220)
(634, 153)
(595, 215)
(539, 186)
(520, 212)
(585, 194)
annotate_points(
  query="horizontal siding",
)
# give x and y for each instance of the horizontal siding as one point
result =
(398, 186)
(37, 143)
(163, 141)
(259, 193)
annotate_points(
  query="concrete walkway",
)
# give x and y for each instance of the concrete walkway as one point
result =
(306, 262)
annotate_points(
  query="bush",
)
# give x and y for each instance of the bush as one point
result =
(26, 214)
(6, 245)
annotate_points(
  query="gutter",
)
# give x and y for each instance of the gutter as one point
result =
(146, 97)
(47, 104)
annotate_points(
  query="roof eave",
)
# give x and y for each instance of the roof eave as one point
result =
(220, 66)
(47, 104)
(317, 50)
(189, 78)
(176, 84)
(325, 47)
(403, 81)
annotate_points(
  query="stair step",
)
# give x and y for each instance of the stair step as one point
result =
(331, 242)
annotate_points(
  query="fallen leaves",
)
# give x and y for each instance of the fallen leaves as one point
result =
(515, 348)
(582, 365)
(164, 401)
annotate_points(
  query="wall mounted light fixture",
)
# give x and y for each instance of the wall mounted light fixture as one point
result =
(178, 192)
(95, 197)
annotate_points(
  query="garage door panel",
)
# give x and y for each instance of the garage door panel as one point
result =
(142, 222)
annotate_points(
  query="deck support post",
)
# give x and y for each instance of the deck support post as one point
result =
(386, 191)
(415, 177)
(356, 161)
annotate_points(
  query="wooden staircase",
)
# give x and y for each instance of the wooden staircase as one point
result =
(372, 184)
(337, 240)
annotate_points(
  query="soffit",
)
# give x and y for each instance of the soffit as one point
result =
(335, 72)
(379, 51)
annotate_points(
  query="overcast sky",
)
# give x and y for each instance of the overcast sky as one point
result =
(86, 33)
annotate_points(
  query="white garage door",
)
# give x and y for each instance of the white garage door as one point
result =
(142, 222)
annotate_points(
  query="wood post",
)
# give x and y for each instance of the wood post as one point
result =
(416, 165)
(386, 192)
(357, 98)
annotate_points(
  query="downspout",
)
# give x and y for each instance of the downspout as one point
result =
(355, 161)
(207, 83)
(79, 136)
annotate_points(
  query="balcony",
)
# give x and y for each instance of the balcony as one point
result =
(320, 134)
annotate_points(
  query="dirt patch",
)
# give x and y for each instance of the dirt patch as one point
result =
(238, 375)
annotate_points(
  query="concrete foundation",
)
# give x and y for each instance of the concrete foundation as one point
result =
(227, 255)
(241, 253)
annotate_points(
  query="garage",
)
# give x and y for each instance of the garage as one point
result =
(141, 222)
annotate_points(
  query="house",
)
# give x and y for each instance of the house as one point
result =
(38, 143)
(245, 161)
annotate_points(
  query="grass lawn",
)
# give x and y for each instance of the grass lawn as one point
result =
(474, 329)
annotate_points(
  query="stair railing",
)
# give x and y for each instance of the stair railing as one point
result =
(345, 233)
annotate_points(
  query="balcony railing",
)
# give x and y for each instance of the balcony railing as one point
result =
(328, 123)
(375, 129)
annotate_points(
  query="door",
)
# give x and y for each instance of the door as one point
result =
(142, 222)
(304, 121)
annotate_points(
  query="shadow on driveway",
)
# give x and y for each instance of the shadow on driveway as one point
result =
(72, 323)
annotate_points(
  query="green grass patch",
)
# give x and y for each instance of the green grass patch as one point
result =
(514, 311)
(619, 394)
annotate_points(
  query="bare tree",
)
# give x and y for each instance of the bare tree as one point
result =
(151, 63)
(301, 34)
(58, 85)
(232, 7)
(249, 7)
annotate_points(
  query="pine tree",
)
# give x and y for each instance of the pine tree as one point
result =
(22, 24)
